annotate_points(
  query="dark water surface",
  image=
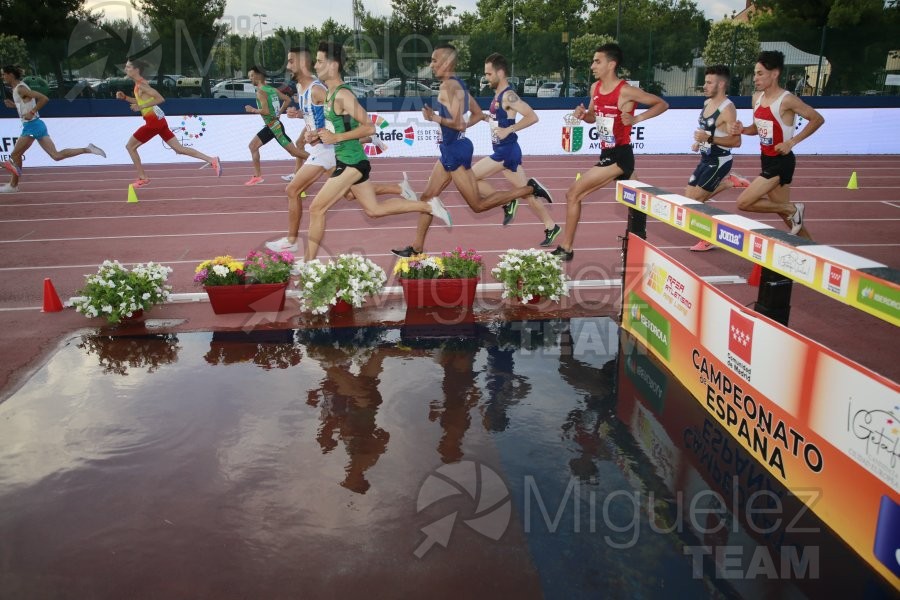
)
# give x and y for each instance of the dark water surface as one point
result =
(498, 460)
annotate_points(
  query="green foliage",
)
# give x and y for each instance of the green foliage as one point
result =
(731, 43)
(115, 292)
(529, 273)
(13, 50)
(349, 277)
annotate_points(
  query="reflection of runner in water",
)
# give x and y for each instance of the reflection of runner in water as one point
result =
(349, 406)
(460, 395)
(146, 101)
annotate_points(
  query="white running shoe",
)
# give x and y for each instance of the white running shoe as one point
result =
(797, 218)
(406, 190)
(282, 245)
(438, 210)
(288, 178)
(8, 188)
(95, 150)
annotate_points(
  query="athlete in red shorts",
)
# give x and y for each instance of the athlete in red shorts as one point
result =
(146, 101)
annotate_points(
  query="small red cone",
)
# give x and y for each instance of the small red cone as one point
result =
(755, 276)
(51, 298)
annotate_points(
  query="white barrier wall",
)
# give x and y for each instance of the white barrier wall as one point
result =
(846, 131)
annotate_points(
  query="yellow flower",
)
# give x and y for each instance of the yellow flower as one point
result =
(235, 265)
(203, 265)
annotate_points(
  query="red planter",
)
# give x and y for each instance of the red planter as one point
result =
(439, 292)
(341, 307)
(258, 297)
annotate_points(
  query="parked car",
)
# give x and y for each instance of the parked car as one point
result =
(554, 89)
(436, 85)
(234, 88)
(359, 89)
(532, 84)
(412, 89)
(361, 82)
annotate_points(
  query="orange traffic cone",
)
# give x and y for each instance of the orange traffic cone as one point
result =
(755, 276)
(51, 298)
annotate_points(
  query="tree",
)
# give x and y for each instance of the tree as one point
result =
(732, 43)
(856, 35)
(413, 27)
(188, 30)
(13, 50)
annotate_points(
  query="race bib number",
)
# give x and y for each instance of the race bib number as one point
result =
(605, 131)
(765, 130)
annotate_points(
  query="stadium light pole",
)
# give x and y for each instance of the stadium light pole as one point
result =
(261, 16)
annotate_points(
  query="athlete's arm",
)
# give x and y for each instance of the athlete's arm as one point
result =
(261, 100)
(739, 128)
(345, 103)
(455, 95)
(475, 112)
(40, 100)
(656, 105)
(726, 118)
(587, 114)
(154, 97)
(285, 101)
(512, 101)
(816, 120)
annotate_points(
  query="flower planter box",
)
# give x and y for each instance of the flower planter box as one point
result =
(258, 297)
(439, 292)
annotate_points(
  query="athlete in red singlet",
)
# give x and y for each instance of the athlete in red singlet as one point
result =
(612, 109)
(774, 115)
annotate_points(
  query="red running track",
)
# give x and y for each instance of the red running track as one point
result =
(67, 220)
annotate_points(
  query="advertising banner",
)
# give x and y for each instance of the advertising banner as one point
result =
(812, 418)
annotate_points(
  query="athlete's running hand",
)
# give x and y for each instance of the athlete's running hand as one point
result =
(579, 112)
(311, 137)
(249, 109)
(293, 113)
(428, 112)
(503, 132)
(702, 135)
(736, 128)
(328, 137)
(120, 95)
(134, 107)
(784, 147)
(695, 147)
(628, 118)
(9, 103)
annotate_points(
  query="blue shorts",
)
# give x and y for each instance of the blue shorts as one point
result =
(457, 154)
(711, 171)
(34, 128)
(509, 154)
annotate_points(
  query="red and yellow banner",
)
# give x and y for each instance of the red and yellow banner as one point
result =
(813, 418)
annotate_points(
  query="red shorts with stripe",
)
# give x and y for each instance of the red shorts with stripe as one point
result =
(153, 126)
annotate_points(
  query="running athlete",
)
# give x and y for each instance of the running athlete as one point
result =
(455, 162)
(311, 102)
(507, 156)
(146, 101)
(774, 111)
(613, 102)
(28, 102)
(346, 123)
(268, 108)
(714, 143)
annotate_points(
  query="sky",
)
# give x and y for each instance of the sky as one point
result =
(239, 13)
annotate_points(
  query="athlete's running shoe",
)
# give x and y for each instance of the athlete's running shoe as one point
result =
(738, 181)
(12, 168)
(96, 150)
(140, 182)
(550, 235)
(564, 254)
(406, 190)
(539, 190)
(8, 188)
(509, 211)
(438, 211)
(797, 218)
(254, 180)
(282, 245)
(288, 178)
(702, 246)
(217, 166)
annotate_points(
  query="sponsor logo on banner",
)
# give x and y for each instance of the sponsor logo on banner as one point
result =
(680, 214)
(793, 263)
(740, 344)
(730, 237)
(836, 279)
(876, 438)
(643, 200)
(758, 247)
(701, 226)
(190, 129)
(647, 378)
(675, 290)
(880, 297)
(629, 196)
(650, 325)
(660, 209)
(572, 133)
(385, 133)
(887, 535)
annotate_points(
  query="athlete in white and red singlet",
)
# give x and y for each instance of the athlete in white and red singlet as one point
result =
(774, 116)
